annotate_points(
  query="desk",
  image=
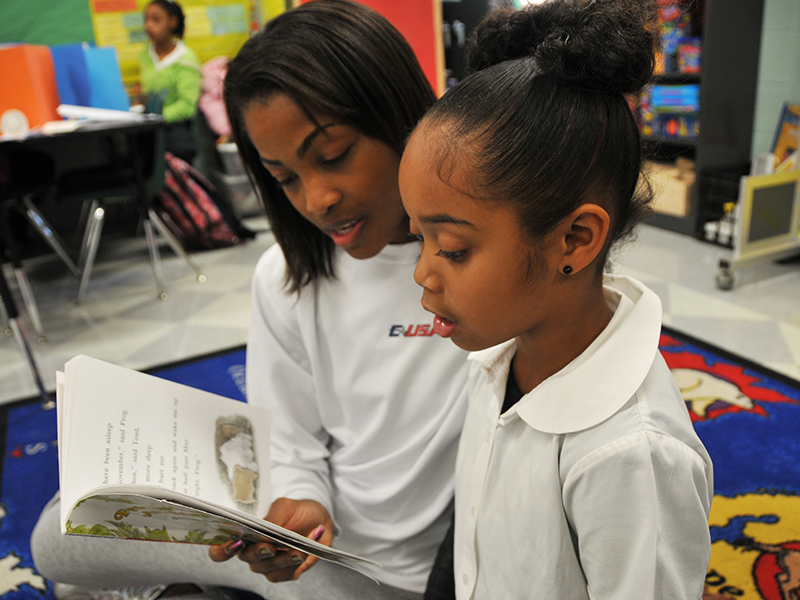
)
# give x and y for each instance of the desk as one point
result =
(93, 145)
(95, 161)
(86, 145)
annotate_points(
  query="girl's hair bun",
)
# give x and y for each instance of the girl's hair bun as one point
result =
(605, 45)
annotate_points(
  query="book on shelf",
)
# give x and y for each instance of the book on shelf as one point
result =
(144, 458)
(786, 137)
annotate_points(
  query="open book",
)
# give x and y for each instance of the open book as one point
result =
(141, 457)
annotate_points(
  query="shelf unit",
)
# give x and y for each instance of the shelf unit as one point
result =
(731, 40)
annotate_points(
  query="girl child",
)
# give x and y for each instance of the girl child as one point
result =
(579, 474)
(366, 403)
(170, 75)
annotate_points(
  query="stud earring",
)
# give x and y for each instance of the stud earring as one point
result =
(567, 270)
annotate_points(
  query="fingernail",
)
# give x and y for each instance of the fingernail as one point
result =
(317, 533)
(234, 547)
(265, 552)
(297, 560)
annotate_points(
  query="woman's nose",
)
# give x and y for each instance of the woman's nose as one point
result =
(321, 196)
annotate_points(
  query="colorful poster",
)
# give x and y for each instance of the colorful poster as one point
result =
(213, 27)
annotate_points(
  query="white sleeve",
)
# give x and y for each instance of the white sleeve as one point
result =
(638, 507)
(279, 378)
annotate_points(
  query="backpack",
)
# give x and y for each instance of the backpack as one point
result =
(194, 210)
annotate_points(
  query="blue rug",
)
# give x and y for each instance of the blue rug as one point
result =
(30, 466)
(748, 418)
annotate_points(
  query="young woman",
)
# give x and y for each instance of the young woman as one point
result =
(579, 474)
(367, 404)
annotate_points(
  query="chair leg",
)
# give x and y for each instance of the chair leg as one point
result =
(43, 227)
(10, 310)
(4, 319)
(19, 334)
(25, 289)
(89, 250)
(30, 303)
(175, 244)
(155, 259)
(93, 205)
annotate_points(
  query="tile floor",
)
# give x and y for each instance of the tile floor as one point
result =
(121, 319)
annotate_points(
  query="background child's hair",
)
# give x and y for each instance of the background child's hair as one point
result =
(542, 120)
(334, 58)
(174, 10)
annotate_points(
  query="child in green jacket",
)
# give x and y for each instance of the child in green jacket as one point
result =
(170, 75)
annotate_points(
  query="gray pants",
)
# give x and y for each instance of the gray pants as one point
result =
(92, 562)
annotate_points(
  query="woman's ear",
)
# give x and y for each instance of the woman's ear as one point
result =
(584, 232)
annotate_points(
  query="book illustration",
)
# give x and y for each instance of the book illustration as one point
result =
(235, 451)
(145, 518)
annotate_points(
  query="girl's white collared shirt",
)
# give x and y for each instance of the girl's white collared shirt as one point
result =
(594, 485)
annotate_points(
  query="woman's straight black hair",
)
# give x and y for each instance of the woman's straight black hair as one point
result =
(337, 59)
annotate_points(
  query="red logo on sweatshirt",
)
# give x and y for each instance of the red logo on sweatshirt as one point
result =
(411, 331)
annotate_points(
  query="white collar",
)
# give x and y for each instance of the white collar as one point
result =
(178, 52)
(602, 379)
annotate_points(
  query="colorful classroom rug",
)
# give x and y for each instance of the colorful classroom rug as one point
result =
(747, 417)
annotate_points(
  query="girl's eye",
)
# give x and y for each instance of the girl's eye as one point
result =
(416, 236)
(455, 257)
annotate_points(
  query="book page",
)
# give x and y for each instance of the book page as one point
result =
(124, 428)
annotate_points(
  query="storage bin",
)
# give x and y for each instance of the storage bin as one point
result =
(672, 186)
(243, 198)
(229, 156)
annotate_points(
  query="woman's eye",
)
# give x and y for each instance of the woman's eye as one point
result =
(336, 159)
(457, 256)
(285, 181)
(416, 236)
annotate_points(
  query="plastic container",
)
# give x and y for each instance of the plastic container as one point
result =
(244, 200)
(229, 156)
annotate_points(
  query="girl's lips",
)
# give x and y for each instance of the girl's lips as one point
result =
(444, 327)
(347, 234)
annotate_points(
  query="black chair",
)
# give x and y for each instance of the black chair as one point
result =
(25, 176)
(135, 171)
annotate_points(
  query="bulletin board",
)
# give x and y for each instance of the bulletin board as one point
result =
(213, 27)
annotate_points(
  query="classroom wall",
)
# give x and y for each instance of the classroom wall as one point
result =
(213, 27)
(45, 22)
(779, 69)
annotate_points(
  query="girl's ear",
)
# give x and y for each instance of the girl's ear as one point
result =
(585, 232)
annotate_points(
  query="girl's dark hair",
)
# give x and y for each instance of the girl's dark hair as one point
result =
(337, 59)
(543, 115)
(173, 10)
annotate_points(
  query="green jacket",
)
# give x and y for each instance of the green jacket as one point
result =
(173, 84)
